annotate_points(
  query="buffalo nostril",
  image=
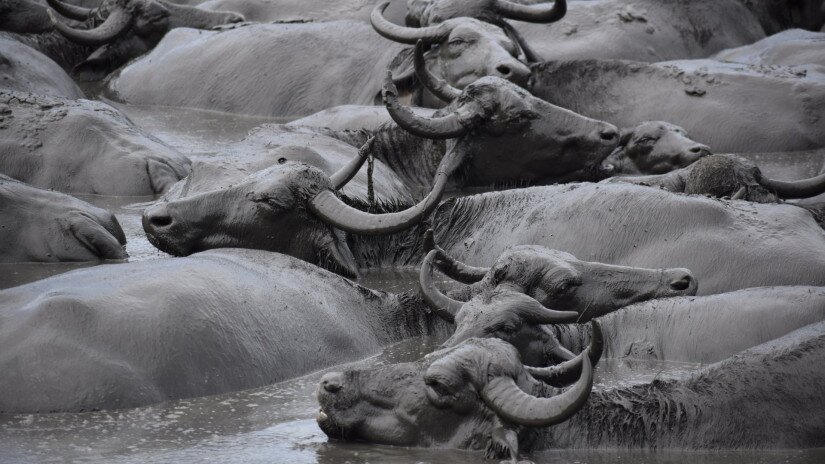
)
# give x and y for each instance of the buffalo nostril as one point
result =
(609, 135)
(504, 70)
(681, 284)
(330, 386)
(158, 216)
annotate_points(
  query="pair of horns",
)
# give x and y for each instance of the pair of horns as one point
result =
(538, 13)
(332, 210)
(450, 126)
(512, 404)
(447, 308)
(116, 24)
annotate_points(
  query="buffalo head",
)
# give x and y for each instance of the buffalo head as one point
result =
(128, 28)
(291, 207)
(476, 395)
(654, 147)
(513, 299)
(464, 49)
(505, 132)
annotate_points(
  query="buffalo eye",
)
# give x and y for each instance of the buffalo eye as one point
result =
(438, 387)
(281, 160)
(646, 139)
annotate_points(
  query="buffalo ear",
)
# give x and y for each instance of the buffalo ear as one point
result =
(503, 444)
(625, 135)
(335, 255)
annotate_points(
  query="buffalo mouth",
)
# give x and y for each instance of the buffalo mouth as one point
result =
(330, 428)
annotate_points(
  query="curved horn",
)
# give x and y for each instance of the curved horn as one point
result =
(565, 373)
(445, 127)
(450, 266)
(439, 87)
(349, 170)
(537, 313)
(512, 404)
(797, 189)
(332, 210)
(443, 305)
(407, 35)
(71, 11)
(543, 13)
(116, 24)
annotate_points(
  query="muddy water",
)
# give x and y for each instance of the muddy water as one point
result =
(275, 424)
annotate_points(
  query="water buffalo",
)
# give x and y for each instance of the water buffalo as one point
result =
(479, 395)
(722, 104)
(638, 226)
(23, 16)
(730, 176)
(43, 226)
(485, 120)
(24, 69)
(126, 29)
(640, 30)
(298, 199)
(306, 10)
(191, 69)
(126, 335)
(529, 287)
(787, 48)
(81, 146)
(653, 147)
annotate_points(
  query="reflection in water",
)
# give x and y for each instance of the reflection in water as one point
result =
(275, 424)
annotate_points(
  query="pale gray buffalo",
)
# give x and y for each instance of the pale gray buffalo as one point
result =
(127, 335)
(733, 108)
(478, 395)
(41, 226)
(24, 69)
(299, 69)
(787, 48)
(82, 146)
(639, 30)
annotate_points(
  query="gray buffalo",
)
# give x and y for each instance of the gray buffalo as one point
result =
(126, 335)
(529, 287)
(640, 30)
(722, 104)
(24, 69)
(787, 48)
(653, 147)
(23, 16)
(347, 65)
(730, 176)
(81, 146)
(125, 29)
(478, 395)
(43, 226)
(485, 120)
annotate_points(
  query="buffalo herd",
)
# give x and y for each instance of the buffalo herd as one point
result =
(569, 181)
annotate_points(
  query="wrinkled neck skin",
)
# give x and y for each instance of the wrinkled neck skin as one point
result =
(61, 50)
(414, 159)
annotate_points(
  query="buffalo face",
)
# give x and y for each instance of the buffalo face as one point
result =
(475, 396)
(657, 147)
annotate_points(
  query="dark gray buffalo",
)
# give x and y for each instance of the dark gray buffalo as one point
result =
(730, 176)
(529, 287)
(778, 15)
(485, 121)
(125, 29)
(478, 395)
(82, 146)
(640, 30)
(41, 226)
(347, 64)
(725, 105)
(126, 335)
(653, 147)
